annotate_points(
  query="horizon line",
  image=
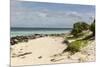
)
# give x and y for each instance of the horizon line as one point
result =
(38, 27)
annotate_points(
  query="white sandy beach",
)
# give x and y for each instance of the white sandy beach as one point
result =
(48, 50)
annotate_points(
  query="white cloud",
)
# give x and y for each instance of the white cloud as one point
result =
(21, 16)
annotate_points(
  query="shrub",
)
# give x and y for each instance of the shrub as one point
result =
(75, 46)
(92, 27)
(66, 41)
(79, 27)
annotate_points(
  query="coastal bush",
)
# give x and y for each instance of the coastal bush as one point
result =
(76, 46)
(79, 27)
(66, 41)
(92, 27)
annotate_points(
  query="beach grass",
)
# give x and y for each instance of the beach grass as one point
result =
(49, 48)
(77, 43)
(76, 46)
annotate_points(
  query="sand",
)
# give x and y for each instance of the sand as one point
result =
(48, 50)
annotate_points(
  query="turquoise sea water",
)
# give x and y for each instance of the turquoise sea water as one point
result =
(30, 31)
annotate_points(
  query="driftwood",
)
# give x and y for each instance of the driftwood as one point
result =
(24, 54)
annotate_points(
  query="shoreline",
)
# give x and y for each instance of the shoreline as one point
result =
(36, 51)
(48, 50)
(19, 39)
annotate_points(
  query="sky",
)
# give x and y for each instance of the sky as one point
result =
(49, 15)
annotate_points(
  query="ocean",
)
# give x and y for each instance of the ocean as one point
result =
(30, 31)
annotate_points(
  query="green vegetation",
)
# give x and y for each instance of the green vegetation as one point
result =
(78, 28)
(92, 27)
(75, 46)
(66, 40)
(82, 34)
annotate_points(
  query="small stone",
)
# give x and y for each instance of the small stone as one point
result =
(40, 57)
(52, 59)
